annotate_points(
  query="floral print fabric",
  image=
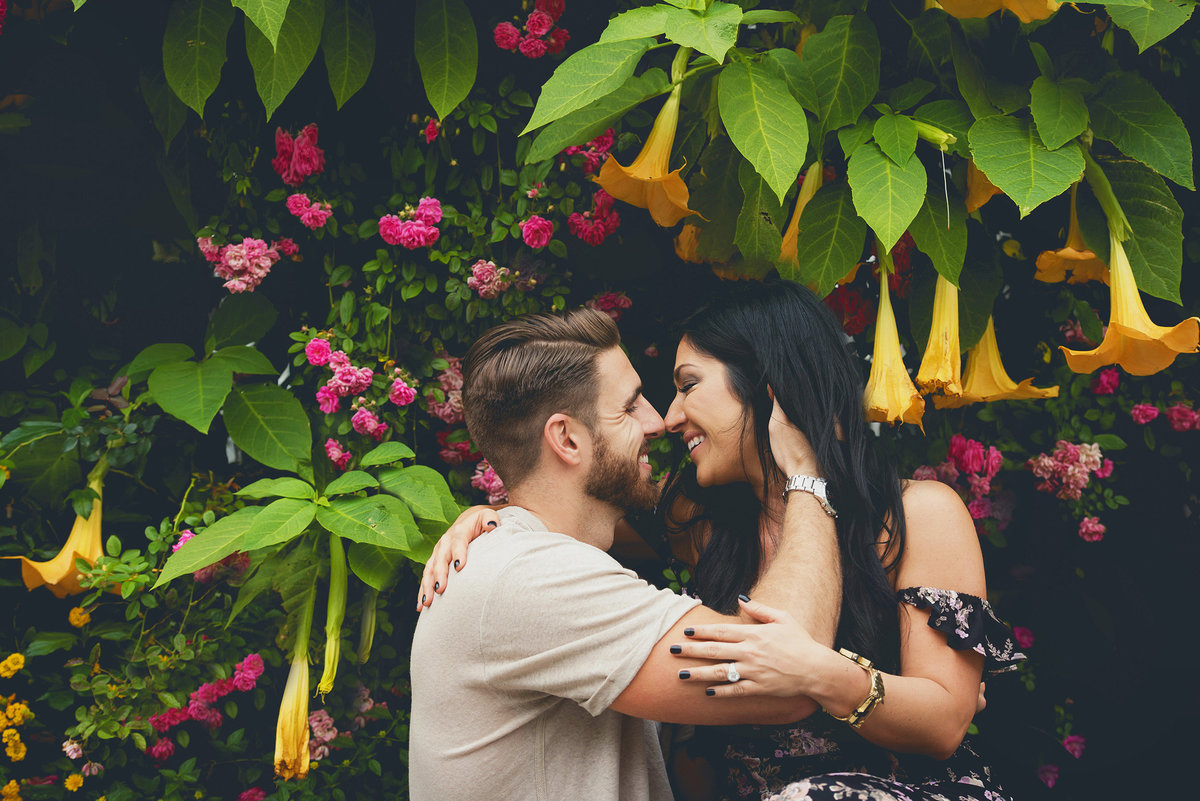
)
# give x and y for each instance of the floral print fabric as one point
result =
(968, 622)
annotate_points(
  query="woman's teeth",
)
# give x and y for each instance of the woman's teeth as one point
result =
(693, 443)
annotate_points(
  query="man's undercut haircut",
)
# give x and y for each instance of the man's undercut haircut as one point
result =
(521, 372)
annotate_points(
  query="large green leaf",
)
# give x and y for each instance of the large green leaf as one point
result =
(286, 487)
(45, 471)
(1150, 23)
(764, 121)
(972, 84)
(940, 231)
(376, 520)
(12, 338)
(351, 482)
(830, 240)
(277, 69)
(194, 48)
(447, 51)
(1059, 111)
(422, 488)
(239, 320)
(757, 232)
(191, 391)
(587, 123)
(717, 195)
(376, 566)
(213, 544)
(896, 136)
(1010, 153)
(269, 424)
(586, 76)
(279, 522)
(1131, 114)
(886, 195)
(711, 32)
(637, 23)
(244, 359)
(348, 44)
(387, 453)
(168, 113)
(795, 75)
(158, 354)
(267, 15)
(1155, 247)
(843, 62)
(929, 44)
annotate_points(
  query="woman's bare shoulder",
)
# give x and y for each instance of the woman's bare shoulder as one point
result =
(941, 546)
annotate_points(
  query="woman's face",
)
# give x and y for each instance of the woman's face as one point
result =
(712, 421)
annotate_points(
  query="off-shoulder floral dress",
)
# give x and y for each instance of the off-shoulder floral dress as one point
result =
(823, 759)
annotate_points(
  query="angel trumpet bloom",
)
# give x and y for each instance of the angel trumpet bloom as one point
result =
(987, 380)
(979, 189)
(1074, 256)
(649, 182)
(812, 182)
(335, 613)
(1026, 10)
(941, 366)
(890, 395)
(60, 574)
(291, 730)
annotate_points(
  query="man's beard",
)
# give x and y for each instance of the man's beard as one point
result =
(619, 483)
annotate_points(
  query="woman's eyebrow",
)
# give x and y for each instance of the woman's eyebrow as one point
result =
(679, 369)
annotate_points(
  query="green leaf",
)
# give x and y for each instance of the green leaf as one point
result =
(896, 136)
(587, 123)
(799, 82)
(267, 15)
(843, 62)
(854, 135)
(909, 93)
(47, 642)
(1155, 249)
(711, 32)
(763, 16)
(269, 424)
(586, 76)
(637, 23)
(422, 488)
(168, 113)
(951, 116)
(44, 470)
(387, 453)
(376, 520)
(1109, 442)
(1059, 111)
(1150, 23)
(944, 244)
(286, 487)
(348, 45)
(764, 121)
(886, 195)
(929, 44)
(211, 545)
(1131, 114)
(757, 232)
(376, 566)
(29, 431)
(717, 195)
(277, 69)
(1011, 154)
(240, 319)
(12, 338)
(350, 482)
(243, 359)
(254, 585)
(278, 522)
(156, 355)
(830, 240)
(194, 49)
(447, 51)
(190, 391)
(972, 84)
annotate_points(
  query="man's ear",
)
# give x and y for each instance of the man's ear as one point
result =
(566, 438)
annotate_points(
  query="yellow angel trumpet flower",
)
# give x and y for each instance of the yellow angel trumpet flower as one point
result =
(291, 729)
(335, 613)
(60, 574)
(890, 396)
(1132, 340)
(979, 189)
(1074, 257)
(987, 380)
(687, 243)
(941, 366)
(812, 182)
(1026, 10)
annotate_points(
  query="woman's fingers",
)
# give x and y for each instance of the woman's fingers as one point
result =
(764, 613)
(722, 651)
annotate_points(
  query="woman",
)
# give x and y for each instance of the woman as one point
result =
(914, 631)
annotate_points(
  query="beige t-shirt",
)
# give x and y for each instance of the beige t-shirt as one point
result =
(514, 667)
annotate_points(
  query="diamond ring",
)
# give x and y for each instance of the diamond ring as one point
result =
(731, 673)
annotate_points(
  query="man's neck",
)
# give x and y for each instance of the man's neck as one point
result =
(581, 517)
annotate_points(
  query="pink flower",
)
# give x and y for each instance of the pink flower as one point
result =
(551, 8)
(1182, 418)
(297, 204)
(389, 228)
(316, 215)
(611, 303)
(448, 411)
(350, 380)
(245, 265)
(429, 211)
(91, 769)
(485, 479)
(532, 47)
(924, 473)
(506, 36)
(968, 454)
(538, 23)
(488, 280)
(246, 673)
(1074, 745)
(1023, 636)
(456, 452)
(1105, 470)
(211, 252)
(593, 226)
(947, 473)
(253, 794)
(1091, 529)
(992, 462)
(415, 234)
(328, 400)
(1143, 413)
(432, 129)
(184, 536)
(72, 749)
(1048, 774)
(980, 508)
(980, 485)
(557, 40)
(333, 449)
(1073, 333)
(317, 351)
(651, 351)
(162, 749)
(1106, 382)
(168, 719)
(297, 159)
(365, 422)
(401, 393)
(287, 246)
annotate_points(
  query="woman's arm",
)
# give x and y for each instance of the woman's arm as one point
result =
(451, 549)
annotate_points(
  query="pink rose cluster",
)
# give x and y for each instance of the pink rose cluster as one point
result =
(594, 152)
(337, 454)
(537, 231)
(401, 392)
(489, 280)
(320, 724)
(969, 459)
(1106, 381)
(613, 304)
(432, 128)
(1183, 418)
(252, 794)
(244, 265)
(449, 410)
(596, 225)
(346, 379)
(1143, 413)
(541, 36)
(363, 703)
(413, 228)
(365, 421)
(456, 447)
(1068, 470)
(312, 214)
(297, 159)
(199, 708)
(486, 480)
(1091, 529)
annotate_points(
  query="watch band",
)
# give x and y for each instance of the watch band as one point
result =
(874, 697)
(812, 485)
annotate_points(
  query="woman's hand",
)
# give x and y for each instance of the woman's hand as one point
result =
(775, 657)
(793, 453)
(452, 549)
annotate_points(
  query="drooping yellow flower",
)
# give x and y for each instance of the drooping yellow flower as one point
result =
(291, 729)
(812, 182)
(1026, 10)
(890, 395)
(687, 241)
(1074, 257)
(979, 189)
(1132, 340)
(60, 573)
(649, 182)
(987, 380)
(941, 366)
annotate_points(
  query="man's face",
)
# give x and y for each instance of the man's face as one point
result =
(625, 424)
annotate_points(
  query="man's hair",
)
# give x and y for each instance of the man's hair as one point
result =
(521, 372)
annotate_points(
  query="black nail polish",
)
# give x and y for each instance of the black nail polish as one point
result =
(422, 599)
(744, 598)
(492, 523)
(675, 649)
(688, 632)
(436, 585)
(456, 564)
(710, 692)
(685, 674)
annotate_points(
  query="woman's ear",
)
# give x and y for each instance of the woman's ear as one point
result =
(563, 435)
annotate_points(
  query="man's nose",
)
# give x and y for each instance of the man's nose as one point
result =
(652, 423)
(675, 417)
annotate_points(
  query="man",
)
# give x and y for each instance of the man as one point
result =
(539, 676)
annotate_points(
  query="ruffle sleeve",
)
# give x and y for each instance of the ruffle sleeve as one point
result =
(968, 622)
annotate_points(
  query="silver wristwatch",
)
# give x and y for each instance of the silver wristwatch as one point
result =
(810, 484)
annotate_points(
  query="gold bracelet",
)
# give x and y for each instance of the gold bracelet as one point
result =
(874, 697)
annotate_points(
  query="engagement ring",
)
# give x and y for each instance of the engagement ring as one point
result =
(731, 673)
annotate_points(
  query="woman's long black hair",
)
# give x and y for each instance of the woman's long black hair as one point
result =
(779, 334)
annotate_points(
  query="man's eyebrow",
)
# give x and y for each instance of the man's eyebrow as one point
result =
(634, 396)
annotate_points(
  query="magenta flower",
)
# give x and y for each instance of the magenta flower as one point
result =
(1091, 529)
(297, 159)
(401, 393)
(364, 421)
(416, 234)
(980, 508)
(506, 36)
(91, 769)
(611, 303)
(328, 400)
(1106, 382)
(211, 252)
(287, 246)
(532, 47)
(1074, 745)
(317, 351)
(297, 204)
(245, 265)
(557, 40)
(184, 536)
(551, 8)
(1143, 413)
(429, 211)
(340, 459)
(389, 228)
(537, 231)
(1182, 418)
(431, 131)
(1048, 774)
(485, 479)
(538, 23)
(924, 473)
(316, 215)
(252, 794)
(1023, 636)
(162, 749)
